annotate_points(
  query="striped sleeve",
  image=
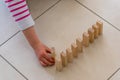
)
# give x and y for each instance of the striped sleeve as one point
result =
(20, 12)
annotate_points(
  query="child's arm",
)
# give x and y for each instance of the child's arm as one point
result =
(22, 16)
(20, 12)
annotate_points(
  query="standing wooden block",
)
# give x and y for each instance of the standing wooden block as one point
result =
(85, 39)
(69, 55)
(96, 30)
(58, 63)
(74, 49)
(100, 25)
(91, 35)
(64, 59)
(53, 54)
(79, 44)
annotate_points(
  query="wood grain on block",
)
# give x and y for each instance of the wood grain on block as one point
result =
(64, 59)
(100, 25)
(96, 30)
(69, 55)
(79, 44)
(74, 49)
(85, 39)
(58, 63)
(53, 52)
(91, 35)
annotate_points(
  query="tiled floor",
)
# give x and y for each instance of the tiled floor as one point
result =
(116, 76)
(59, 23)
(107, 9)
(40, 6)
(8, 73)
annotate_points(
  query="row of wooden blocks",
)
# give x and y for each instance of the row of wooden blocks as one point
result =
(88, 37)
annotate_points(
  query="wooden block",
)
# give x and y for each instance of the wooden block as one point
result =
(100, 25)
(79, 44)
(69, 55)
(58, 63)
(74, 50)
(53, 54)
(64, 59)
(91, 35)
(96, 30)
(85, 39)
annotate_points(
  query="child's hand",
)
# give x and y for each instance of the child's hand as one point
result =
(43, 53)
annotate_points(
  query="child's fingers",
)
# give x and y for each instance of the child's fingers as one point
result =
(48, 50)
(49, 58)
(43, 64)
(44, 60)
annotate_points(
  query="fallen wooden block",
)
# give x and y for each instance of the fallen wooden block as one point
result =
(91, 35)
(100, 25)
(79, 44)
(69, 55)
(58, 63)
(53, 54)
(74, 49)
(85, 39)
(96, 31)
(64, 59)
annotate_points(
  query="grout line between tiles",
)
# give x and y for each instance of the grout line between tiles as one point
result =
(9, 38)
(14, 67)
(97, 15)
(47, 9)
(113, 74)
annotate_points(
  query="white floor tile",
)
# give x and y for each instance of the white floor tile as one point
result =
(7, 25)
(37, 7)
(59, 27)
(8, 73)
(108, 9)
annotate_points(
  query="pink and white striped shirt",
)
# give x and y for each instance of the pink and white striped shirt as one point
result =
(20, 12)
